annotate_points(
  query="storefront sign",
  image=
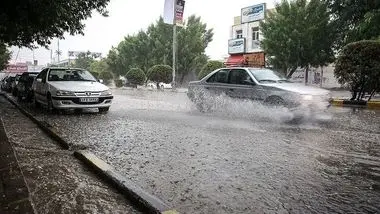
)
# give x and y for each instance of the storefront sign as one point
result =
(253, 13)
(255, 59)
(16, 68)
(236, 46)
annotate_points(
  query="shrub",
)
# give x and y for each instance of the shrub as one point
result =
(358, 66)
(119, 83)
(209, 67)
(160, 73)
(135, 76)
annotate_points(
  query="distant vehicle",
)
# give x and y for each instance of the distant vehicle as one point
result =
(3, 83)
(259, 84)
(162, 85)
(70, 88)
(14, 84)
(24, 86)
(7, 84)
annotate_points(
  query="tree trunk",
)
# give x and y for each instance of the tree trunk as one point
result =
(321, 77)
(182, 78)
(291, 73)
(307, 75)
(371, 95)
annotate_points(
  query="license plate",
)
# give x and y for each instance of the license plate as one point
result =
(89, 100)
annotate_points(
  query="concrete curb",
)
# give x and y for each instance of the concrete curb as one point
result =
(146, 201)
(48, 130)
(355, 103)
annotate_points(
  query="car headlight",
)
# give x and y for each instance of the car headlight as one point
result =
(64, 93)
(307, 97)
(106, 93)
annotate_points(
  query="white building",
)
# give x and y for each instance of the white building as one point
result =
(245, 36)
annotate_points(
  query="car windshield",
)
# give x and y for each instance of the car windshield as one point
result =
(70, 75)
(268, 76)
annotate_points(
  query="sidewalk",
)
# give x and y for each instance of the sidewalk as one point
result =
(14, 195)
(56, 180)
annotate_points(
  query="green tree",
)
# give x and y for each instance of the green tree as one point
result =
(136, 76)
(154, 46)
(24, 22)
(211, 66)
(160, 73)
(5, 55)
(84, 61)
(99, 66)
(358, 65)
(298, 34)
(106, 76)
(355, 20)
(114, 62)
(192, 43)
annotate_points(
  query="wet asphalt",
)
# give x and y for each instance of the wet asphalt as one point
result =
(240, 158)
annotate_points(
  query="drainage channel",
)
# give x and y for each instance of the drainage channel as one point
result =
(139, 197)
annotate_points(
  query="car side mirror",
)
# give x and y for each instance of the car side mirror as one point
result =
(100, 80)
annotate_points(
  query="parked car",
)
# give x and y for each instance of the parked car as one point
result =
(259, 84)
(3, 83)
(24, 86)
(14, 84)
(7, 86)
(70, 88)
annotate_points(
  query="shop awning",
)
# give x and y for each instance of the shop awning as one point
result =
(235, 60)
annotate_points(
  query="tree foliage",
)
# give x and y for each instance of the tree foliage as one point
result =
(355, 20)
(160, 73)
(136, 76)
(99, 66)
(359, 66)
(5, 55)
(154, 46)
(298, 34)
(84, 61)
(211, 66)
(106, 76)
(24, 22)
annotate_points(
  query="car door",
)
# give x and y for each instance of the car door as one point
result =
(40, 86)
(217, 84)
(242, 86)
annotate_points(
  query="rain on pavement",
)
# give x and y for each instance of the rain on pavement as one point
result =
(240, 158)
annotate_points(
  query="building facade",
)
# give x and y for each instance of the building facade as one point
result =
(245, 36)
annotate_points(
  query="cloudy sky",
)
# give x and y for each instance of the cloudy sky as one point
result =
(129, 16)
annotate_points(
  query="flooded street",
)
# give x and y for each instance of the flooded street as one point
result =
(240, 158)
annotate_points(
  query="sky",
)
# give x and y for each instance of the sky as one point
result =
(127, 17)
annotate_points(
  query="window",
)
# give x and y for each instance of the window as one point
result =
(219, 77)
(255, 34)
(239, 34)
(239, 77)
(42, 75)
(70, 75)
(255, 38)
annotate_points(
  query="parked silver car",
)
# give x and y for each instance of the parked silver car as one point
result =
(260, 84)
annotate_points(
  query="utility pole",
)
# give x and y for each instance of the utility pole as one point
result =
(58, 52)
(174, 46)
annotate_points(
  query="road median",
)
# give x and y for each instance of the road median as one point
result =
(355, 103)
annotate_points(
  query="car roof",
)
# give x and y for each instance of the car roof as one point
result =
(253, 68)
(64, 68)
